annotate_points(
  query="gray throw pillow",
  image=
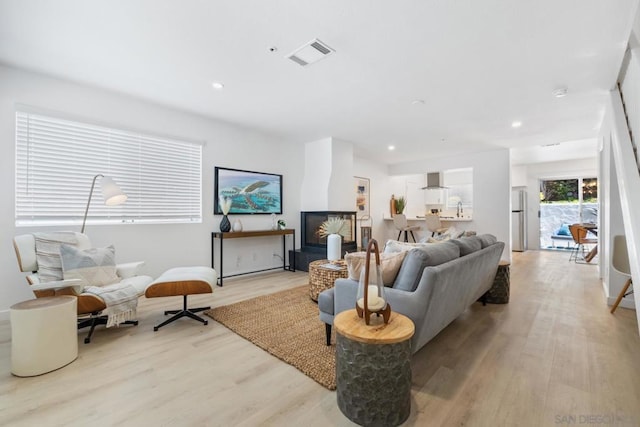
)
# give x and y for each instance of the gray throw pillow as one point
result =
(417, 259)
(468, 245)
(487, 240)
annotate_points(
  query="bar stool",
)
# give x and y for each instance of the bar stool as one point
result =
(400, 222)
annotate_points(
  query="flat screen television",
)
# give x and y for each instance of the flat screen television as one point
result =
(250, 192)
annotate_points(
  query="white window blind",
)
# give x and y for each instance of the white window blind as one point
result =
(57, 159)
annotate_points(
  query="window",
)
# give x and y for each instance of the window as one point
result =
(57, 159)
(459, 183)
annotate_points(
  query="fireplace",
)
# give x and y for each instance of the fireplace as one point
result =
(312, 246)
(310, 223)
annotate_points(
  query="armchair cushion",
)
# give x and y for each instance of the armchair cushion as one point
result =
(129, 269)
(95, 266)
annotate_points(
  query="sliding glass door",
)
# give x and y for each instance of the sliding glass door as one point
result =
(564, 202)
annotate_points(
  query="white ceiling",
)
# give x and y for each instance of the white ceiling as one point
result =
(478, 65)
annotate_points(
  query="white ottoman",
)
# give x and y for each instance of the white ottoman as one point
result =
(44, 335)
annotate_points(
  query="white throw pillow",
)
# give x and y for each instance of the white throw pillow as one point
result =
(394, 246)
(95, 266)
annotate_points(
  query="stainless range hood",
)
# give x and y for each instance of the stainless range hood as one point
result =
(434, 181)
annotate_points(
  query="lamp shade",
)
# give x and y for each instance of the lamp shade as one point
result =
(111, 192)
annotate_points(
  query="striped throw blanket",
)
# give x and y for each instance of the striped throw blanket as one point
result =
(121, 300)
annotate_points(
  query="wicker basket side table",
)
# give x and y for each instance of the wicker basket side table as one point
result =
(499, 292)
(322, 278)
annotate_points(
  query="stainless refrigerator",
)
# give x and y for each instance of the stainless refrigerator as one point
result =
(519, 220)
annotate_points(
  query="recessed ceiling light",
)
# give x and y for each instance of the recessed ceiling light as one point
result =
(391, 147)
(417, 102)
(516, 124)
(217, 85)
(560, 92)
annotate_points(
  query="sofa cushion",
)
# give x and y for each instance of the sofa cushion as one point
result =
(487, 240)
(418, 258)
(390, 263)
(468, 245)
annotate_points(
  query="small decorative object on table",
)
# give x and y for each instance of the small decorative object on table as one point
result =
(370, 298)
(237, 225)
(273, 222)
(281, 224)
(333, 229)
(225, 206)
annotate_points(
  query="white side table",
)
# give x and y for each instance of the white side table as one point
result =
(44, 335)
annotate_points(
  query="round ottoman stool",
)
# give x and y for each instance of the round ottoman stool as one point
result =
(322, 278)
(44, 335)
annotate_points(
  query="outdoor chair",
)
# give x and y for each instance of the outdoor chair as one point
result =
(579, 234)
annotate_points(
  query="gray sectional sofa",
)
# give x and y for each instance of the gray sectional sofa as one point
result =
(434, 285)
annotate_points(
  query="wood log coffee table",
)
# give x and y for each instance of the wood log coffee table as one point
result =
(322, 278)
(373, 368)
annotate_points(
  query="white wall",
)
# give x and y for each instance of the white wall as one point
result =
(491, 189)
(162, 246)
(379, 195)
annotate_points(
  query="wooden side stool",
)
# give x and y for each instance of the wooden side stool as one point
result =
(183, 281)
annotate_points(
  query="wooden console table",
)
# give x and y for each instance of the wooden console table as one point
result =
(258, 233)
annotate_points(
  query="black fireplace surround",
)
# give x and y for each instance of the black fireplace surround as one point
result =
(312, 246)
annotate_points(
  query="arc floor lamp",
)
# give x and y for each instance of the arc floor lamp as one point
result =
(111, 192)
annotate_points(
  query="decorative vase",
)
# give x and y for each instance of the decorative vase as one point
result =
(225, 225)
(334, 247)
(237, 225)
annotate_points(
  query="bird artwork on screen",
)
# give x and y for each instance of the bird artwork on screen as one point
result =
(249, 192)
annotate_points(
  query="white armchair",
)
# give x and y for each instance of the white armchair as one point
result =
(90, 306)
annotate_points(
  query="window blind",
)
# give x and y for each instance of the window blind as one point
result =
(57, 159)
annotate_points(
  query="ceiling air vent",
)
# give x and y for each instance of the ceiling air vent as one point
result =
(311, 52)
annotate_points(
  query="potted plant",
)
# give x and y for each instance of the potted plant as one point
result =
(401, 203)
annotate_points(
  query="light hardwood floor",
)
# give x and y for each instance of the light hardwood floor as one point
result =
(553, 356)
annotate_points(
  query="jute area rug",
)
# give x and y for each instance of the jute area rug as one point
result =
(285, 324)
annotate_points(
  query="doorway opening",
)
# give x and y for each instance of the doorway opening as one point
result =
(564, 202)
